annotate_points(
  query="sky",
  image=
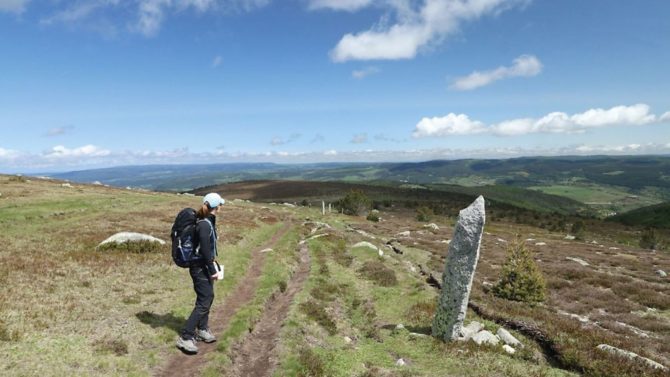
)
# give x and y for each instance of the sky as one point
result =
(98, 83)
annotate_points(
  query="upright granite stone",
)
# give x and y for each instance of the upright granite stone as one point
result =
(459, 271)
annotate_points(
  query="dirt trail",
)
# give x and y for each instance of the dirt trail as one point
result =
(189, 365)
(257, 356)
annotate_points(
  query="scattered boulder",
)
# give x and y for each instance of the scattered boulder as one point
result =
(347, 339)
(485, 337)
(578, 260)
(367, 245)
(123, 237)
(661, 273)
(508, 338)
(467, 332)
(541, 244)
(631, 355)
(395, 246)
(289, 205)
(405, 234)
(432, 226)
(400, 362)
(502, 240)
(66, 185)
(570, 237)
(509, 349)
(268, 250)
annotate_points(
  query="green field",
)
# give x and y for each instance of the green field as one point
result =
(606, 199)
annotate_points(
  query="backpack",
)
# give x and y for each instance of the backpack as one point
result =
(184, 240)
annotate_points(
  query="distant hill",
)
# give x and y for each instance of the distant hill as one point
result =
(657, 216)
(453, 197)
(607, 184)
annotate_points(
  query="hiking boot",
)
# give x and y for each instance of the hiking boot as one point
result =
(205, 335)
(187, 345)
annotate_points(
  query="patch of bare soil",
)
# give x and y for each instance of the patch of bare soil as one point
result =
(189, 365)
(256, 355)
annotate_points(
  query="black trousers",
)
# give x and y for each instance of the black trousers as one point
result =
(204, 290)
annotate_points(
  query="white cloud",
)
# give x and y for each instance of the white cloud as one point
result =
(13, 6)
(359, 138)
(281, 141)
(217, 61)
(524, 66)
(665, 117)
(89, 150)
(365, 72)
(555, 122)
(345, 5)
(452, 124)
(58, 131)
(7, 154)
(331, 152)
(417, 25)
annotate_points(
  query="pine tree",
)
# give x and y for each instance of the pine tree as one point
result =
(521, 279)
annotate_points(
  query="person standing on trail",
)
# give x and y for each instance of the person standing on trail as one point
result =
(203, 274)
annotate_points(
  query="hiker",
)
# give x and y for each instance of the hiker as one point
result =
(203, 274)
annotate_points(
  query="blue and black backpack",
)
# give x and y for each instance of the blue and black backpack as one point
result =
(184, 239)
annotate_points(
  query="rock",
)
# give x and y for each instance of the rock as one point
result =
(66, 185)
(406, 233)
(569, 237)
(467, 332)
(578, 317)
(508, 338)
(123, 237)
(347, 339)
(446, 241)
(367, 245)
(432, 226)
(188, 194)
(541, 244)
(400, 362)
(661, 273)
(631, 355)
(485, 337)
(530, 239)
(380, 252)
(395, 246)
(289, 205)
(509, 349)
(459, 271)
(399, 326)
(268, 250)
(578, 260)
(501, 240)
(97, 183)
(316, 236)
(614, 248)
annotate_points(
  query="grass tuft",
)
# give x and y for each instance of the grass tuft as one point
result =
(378, 273)
(314, 311)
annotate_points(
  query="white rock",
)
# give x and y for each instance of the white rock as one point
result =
(467, 332)
(530, 239)
(66, 185)
(569, 237)
(578, 260)
(540, 244)
(367, 245)
(266, 250)
(406, 233)
(316, 236)
(509, 349)
(130, 237)
(661, 273)
(594, 242)
(97, 183)
(501, 240)
(631, 356)
(289, 205)
(399, 326)
(614, 248)
(347, 339)
(400, 362)
(432, 226)
(381, 253)
(508, 338)
(485, 337)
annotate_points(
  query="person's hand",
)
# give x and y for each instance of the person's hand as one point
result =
(213, 277)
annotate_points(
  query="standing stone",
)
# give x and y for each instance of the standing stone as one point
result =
(323, 207)
(459, 271)
(330, 207)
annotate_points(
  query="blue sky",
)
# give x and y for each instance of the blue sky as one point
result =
(111, 82)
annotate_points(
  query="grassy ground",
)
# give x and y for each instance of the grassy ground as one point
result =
(67, 309)
(605, 198)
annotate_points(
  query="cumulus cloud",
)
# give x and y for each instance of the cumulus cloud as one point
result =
(417, 24)
(13, 6)
(555, 122)
(89, 150)
(452, 124)
(365, 72)
(359, 138)
(331, 152)
(7, 154)
(345, 5)
(523, 66)
(665, 117)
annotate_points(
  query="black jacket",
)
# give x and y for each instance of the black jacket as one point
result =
(206, 232)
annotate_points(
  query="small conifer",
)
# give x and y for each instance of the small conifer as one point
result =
(521, 279)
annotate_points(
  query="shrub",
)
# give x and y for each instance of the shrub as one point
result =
(311, 364)
(378, 273)
(650, 239)
(424, 214)
(355, 203)
(578, 230)
(316, 312)
(373, 217)
(521, 279)
(304, 203)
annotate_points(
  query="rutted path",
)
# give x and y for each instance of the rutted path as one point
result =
(256, 356)
(189, 365)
